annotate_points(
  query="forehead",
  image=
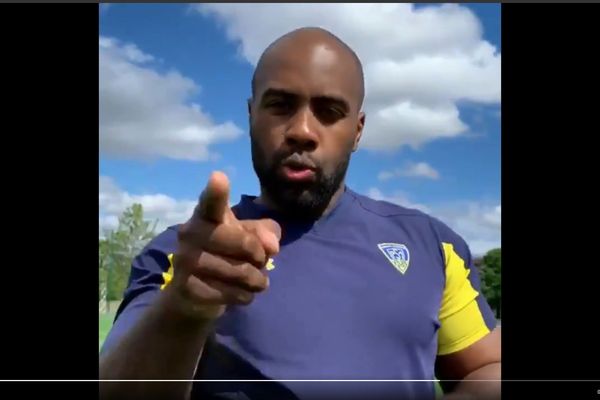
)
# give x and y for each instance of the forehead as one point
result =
(314, 71)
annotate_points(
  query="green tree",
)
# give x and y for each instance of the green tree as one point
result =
(118, 248)
(103, 268)
(491, 279)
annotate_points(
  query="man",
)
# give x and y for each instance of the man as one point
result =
(310, 280)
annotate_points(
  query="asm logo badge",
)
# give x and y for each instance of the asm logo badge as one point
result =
(168, 275)
(397, 254)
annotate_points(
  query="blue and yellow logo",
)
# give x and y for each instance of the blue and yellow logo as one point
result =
(168, 276)
(397, 254)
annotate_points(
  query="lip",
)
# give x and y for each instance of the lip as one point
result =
(298, 164)
(297, 168)
(298, 173)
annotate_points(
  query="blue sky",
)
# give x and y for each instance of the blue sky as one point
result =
(174, 80)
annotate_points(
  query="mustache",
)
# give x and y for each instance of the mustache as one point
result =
(296, 160)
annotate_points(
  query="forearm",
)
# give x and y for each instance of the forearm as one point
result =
(163, 345)
(481, 384)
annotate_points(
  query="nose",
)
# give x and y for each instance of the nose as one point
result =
(301, 132)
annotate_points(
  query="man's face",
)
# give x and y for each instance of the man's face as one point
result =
(304, 124)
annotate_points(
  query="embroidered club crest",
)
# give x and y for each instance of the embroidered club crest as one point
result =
(397, 254)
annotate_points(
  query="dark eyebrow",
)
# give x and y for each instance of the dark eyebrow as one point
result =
(328, 99)
(272, 92)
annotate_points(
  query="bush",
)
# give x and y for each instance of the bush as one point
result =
(491, 279)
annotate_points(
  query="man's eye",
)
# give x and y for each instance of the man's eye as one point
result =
(279, 106)
(331, 114)
(337, 112)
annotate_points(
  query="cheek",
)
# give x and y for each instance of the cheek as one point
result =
(335, 146)
(267, 133)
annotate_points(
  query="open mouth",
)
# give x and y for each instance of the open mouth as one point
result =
(295, 170)
(298, 174)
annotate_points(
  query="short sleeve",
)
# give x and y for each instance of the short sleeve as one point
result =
(151, 271)
(465, 315)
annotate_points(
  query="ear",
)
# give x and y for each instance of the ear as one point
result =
(359, 130)
(249, 103)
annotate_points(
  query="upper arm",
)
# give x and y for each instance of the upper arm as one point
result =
(485, 351)
(465, 316)
(151, 270)
(467, 339)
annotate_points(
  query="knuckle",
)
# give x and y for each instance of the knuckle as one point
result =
(262, 281)
(189, 290)
(183, 232)
(192, 260)
(204, 261)
(243, 271)
(252, 248)
(181, 261)
(193, 231)
(247, 243)
(255, 280)
(244, 298)
(203, 292)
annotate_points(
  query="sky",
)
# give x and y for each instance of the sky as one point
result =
(174, 80)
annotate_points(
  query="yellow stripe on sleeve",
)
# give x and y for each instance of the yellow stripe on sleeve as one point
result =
(461, 320)
(167, 276)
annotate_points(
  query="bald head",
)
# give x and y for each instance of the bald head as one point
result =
(305, 120)
(311, 45)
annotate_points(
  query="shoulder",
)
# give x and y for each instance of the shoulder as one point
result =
(150, 264)
(390, 214)
(420, 223)
(158, 249)
(151, 267)
(384, 208)
(165, 241)
(451, 242)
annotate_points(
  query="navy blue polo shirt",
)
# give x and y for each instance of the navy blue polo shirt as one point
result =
(371, 291)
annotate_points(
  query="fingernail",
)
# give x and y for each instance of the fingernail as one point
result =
(274, 240)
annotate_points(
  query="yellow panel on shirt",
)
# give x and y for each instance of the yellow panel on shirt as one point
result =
(461, 319)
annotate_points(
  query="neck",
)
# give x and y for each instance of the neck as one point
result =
(265, 200)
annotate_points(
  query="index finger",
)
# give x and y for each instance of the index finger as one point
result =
(214, 200)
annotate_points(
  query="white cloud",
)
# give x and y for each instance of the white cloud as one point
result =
(494, 217)
(230, 170)
(398, 197)
(414, 170)
(113, 200)
(146, 113)
(478, 222)
(422, 170)
(386, 175)
(418, 62)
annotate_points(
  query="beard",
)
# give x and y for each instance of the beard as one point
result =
(296, 200)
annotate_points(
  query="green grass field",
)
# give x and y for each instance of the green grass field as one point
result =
(106, 321)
